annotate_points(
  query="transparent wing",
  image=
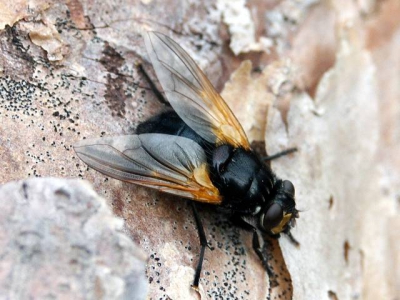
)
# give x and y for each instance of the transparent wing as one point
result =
(171, 164)
(191, 94)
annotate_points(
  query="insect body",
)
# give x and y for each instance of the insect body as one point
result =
(198, 151)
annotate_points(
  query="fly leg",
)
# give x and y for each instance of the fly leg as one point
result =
(279, 154)
(239, 221)
(203, 245)
(292, 239)
(257, 248)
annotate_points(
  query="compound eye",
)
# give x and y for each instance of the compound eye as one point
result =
(288, 188)
(273, 216)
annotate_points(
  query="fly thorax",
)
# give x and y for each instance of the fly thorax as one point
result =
(241, 178)
(262, 187)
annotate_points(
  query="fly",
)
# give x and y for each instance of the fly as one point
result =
(197, 151)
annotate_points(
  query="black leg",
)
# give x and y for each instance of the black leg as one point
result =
(292, 238)
(203, 244)
(158, 94)
(279, 154)
(239, 221)
(257, 248)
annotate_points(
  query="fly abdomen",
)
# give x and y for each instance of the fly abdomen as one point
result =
(170, 123)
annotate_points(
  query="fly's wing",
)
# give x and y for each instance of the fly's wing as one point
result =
(191, 94)
(171, 164)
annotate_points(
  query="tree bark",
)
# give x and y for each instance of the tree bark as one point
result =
(322, 76)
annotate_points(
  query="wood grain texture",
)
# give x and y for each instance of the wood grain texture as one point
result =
(324, 73)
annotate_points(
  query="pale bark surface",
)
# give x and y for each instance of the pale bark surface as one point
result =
(60, 240)
(324, 77)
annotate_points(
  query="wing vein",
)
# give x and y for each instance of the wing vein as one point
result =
(191, 93)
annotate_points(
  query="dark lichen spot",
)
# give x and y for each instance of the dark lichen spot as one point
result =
(331, 202)
(62, 194)
(111, 59)
(115, 95)
(346, 249)
(25, 190)
(332, 295)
